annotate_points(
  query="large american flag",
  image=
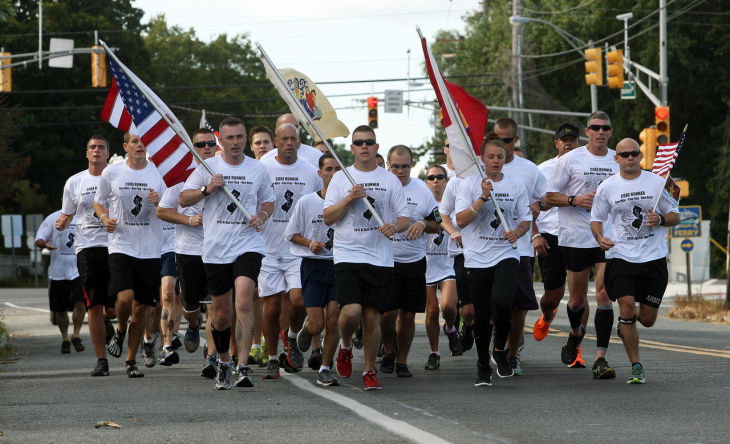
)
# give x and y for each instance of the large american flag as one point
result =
(666, 155)
(129, 108)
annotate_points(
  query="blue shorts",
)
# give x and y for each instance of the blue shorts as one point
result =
(168, 265)
(318, 282)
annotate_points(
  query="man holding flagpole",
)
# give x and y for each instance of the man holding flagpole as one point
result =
(635, 245)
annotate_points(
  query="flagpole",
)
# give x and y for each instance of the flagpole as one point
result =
(310, 124)
(455, 119)
(183, 138)
(666, 178)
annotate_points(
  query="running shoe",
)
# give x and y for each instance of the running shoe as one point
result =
(209, 369)
(484, 375)
(234, 362)
(176, 341)
(579, 362)
(264, 355)
(357, 339)
(601, 369)
(272, 369)
(149, 354)
(65, 347)
(455, 345)
(304, 339)
(315, 359)
(467, 336)
(433, 363)
(637, 374)
(78, 346)
(192, 339)
(370, 379)
(223, 377)
(116, 344)
(387, 364)
(504, 369)
(254, 357)
(514, 362)
(401, 370)
(109, 330)
(132, 370)
(102, 368)
(168, 357)
(344, 362)
(541, 328)
(325, 378)
(570, 350)
(294, 356)
(244, 380)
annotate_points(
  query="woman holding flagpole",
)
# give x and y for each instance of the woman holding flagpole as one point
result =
(490, 261)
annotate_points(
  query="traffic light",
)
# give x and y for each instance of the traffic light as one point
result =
(615, 62)
(648, 147)
(98, 67)
(594, 66)
(661, 118)
(6, 77)
(373, 112)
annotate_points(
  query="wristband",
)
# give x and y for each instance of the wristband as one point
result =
(395, 227)
(473, 210)
(454, 234)
(424, 223)
(535, 236)
(311, 243)
(661, 220)
(484, 199)
(266, 213)
(190, 221)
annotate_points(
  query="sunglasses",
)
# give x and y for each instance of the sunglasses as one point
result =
(436, 176)
(507, 139)
(599, 127)
(446, 145)
(210, 143)
(626, 154)
(360, 142)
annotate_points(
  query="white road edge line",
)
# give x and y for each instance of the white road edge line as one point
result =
(393, 425)
(42, 310)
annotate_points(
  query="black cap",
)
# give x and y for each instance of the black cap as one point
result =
(566, 129)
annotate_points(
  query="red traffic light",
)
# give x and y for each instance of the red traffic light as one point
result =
(372, 102)
(662, 112)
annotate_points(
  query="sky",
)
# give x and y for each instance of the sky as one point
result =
(336, 40)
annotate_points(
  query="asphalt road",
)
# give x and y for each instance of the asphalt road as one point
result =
(49, 397)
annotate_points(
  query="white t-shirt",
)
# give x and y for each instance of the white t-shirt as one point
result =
(357, 238)
(449, 172)
(63, 258)
(168, 237)
(305, 152)
(547, 221)
(139, 231)
(579, 172)
(188, 239)
(484, 242)
(290, 183)
(227, 232)
(439, 265)
(534, 182)
(78, 198)
(625, 203)
(420, 204)
(447, 206)
(307, 221)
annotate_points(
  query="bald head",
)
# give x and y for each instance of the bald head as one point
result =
(627, 144)
(287, 118)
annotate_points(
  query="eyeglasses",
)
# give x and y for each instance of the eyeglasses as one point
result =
(436, 176)
(210, 143)
(626, 154)
(599, 127)
(507, 139)
(360, 142)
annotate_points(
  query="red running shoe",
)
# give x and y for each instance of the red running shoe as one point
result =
(371, 381)
(344, 362)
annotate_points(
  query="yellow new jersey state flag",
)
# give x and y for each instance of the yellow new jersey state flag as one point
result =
(314, 103)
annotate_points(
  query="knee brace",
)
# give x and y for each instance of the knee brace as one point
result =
(627, 321)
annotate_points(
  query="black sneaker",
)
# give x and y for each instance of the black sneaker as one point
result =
(133, 371)
(326, 379)
(601, 369)
(109, 330)
(304, 339)
(570, 350)
(294, 356)
(504, 369)
(484, 375)
(149, 355)
(433, 363)
(176, 341)
(78, 346)
(455, 345)
(192, 339)
(244, 380)
(65, 347)
(315, 360)
(209, 369)
(467, 337)
(387, 364)
(401, 370)
(116, 344)
(168, 357)
(102, 368)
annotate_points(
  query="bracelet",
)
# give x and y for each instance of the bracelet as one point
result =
(266, 213)
(535, 236)
(454, 234)
(395, 227)
(424, 223)
(661, 220)
(483, 199)
(473, 210)
(311, 243)
(102, 216)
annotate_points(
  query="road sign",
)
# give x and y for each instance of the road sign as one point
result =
(690, 222)
(686, 245)
(393, 101)
(63, 61)
(628, 92)
(12, 228)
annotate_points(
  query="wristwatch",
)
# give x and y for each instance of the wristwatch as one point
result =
(204, 190)
(542, 205)
(570, 201)
(484, 199)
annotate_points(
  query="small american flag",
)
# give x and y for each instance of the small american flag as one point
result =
(205, 123)
(666, 156)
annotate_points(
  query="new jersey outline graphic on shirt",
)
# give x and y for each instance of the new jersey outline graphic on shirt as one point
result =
(368, 214)
(639, 218)
(495, 222)
(137, 205)
(232, 206)
(288, 200)
(330, 238)
(439, 238)
(70, 242)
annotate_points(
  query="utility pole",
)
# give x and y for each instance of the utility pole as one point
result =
(517, 94)
(663, 75)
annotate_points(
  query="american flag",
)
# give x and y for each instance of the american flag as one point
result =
(126, 101)
(666, 156)
(205, 123)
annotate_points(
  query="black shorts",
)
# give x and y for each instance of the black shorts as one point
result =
(219, 278)
(525, 293)
(62, 295)
(191, 277)
(552, 266)
(462, 283)
(363, 284)
(140, 275)
(318, 282)
(93, 265)
(645, 281)
(409, 287)
(168, 267)
(578, 259)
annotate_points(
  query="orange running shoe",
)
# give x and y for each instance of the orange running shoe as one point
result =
(579, 362)
(540, 330)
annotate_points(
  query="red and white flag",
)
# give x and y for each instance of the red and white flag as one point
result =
(459, 109)
(205, 123)
(165, 148)
(666, 155)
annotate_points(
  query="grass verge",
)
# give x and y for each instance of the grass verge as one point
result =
(700, 309)
(6, 347)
